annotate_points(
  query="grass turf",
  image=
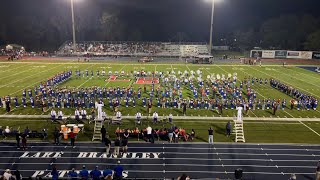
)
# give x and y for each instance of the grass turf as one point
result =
(15, 77)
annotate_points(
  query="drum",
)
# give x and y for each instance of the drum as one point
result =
(75, 129)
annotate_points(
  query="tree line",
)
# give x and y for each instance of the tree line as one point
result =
(294, 32)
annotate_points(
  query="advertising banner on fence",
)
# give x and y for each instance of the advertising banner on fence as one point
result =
(255, 54)
(268, 54)
(294, 54)
(316, 55)
(281, 54)
(306, 55)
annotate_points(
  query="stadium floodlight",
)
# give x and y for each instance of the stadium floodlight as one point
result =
(73, 26)
(211, 25)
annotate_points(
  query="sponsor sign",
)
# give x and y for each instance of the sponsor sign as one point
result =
(294, 54)
(256, 54)
(306, 55)
(316, 55)
(268, 54)
(280, 54)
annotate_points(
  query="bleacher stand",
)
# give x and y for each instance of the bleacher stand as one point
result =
(160, 49)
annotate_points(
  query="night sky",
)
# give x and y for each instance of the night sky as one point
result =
(160, 19)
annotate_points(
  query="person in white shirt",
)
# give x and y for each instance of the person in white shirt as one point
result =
(60, 115)
(7, 174)
(104, 115)
(53, 115)
(170, 118)
(155, 117)
(118, 115)
(84, 114)
(149, 133)
(138, 116)
(77, 114)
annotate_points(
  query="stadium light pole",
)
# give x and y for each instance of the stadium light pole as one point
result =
(73, 26)
(211, 25)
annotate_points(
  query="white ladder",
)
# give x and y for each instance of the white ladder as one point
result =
(97, 130)
(238, 129)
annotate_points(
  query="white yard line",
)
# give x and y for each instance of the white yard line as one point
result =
(317, 78)
(298, 78)
(12, 69)
(30, 76)
(84, 82)
(284, 81)
(309, 128)
(17, 73)
(28, 86)
(188, 68)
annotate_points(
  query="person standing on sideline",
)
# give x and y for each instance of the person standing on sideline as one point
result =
(56, 135)
(210, 131)
(72, 136)
(125, 142)
(24, 141)
(107, 143)
(116, 146)
(103, 133)
(118, 171)
(149, 131)
(228, 128)
(84, 174)
(18, 136)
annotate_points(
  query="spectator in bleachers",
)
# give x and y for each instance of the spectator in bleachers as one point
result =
(54, 173)
(107, 172)
(7, 174)
(77, 114)
(73, 174)
(118, 171)
(84, 174)
(95, 174)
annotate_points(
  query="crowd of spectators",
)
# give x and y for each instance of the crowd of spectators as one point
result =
(123, 49)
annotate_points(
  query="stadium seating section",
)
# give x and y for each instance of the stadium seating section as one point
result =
(156, 49)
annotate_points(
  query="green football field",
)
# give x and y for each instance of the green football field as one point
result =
(17, 76)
